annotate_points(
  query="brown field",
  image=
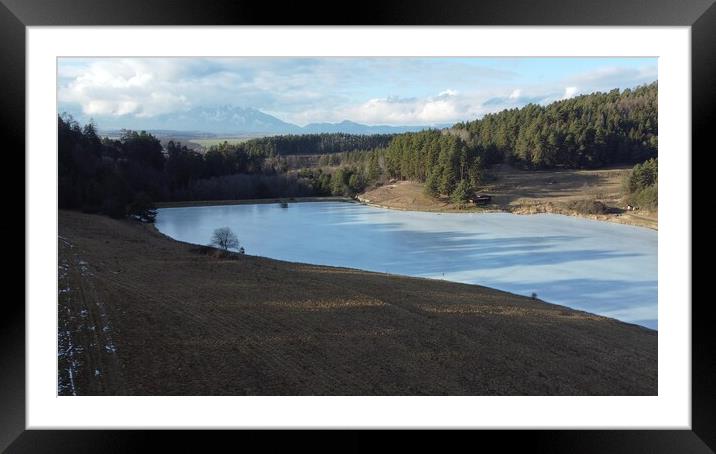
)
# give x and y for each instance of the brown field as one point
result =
(526, 192)
(142, 314)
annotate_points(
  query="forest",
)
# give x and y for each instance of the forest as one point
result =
(124, 176)
(587, 131)
(315, 143)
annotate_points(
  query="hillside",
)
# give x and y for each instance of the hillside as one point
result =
(526, 192)
(141, 314)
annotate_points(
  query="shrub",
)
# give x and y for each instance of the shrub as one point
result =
(142, 208)
(643, 175)
(641, 185)
(647, 198)
(587, 206)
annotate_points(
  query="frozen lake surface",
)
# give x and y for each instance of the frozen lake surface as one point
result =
(599, 267)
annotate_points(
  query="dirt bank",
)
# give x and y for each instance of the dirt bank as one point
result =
(526, 192)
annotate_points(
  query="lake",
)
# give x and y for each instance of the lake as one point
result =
(599, 267)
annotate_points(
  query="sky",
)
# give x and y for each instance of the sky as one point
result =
(374, 91)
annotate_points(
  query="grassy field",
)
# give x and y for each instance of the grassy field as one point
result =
(527, 192)
(142, 314)
(209, 142)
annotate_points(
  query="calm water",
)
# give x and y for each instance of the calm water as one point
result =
(600, 267)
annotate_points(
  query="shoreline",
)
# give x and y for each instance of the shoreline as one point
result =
(520, 210)
(182, 321)
(527, 211)
(515, 195)
(202, 203)
(154, 229)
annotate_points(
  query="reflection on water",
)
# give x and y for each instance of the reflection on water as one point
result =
(600, 267)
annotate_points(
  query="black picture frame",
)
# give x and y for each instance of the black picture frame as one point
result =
(700, 15)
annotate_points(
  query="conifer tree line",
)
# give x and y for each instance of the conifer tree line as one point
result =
(587, 131)
(122, 177)
(115, 177)
(443, 161)
(326, 143)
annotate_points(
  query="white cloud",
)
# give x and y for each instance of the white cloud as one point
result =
(123, 87)
(117, 107)
(448, 92)
(304, 90)
(446, 107)
(609, 77)
(149, 87)
(569, 92)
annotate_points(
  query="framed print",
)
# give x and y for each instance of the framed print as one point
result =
(407, 217)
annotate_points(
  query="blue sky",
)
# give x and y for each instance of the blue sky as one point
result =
(391, 91)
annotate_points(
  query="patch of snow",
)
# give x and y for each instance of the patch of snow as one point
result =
(72, 378)
(66, 349)
(65, 240)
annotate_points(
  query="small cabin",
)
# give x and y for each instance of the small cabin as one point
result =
(481, 199)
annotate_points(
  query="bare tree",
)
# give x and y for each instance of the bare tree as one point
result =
(225, 239)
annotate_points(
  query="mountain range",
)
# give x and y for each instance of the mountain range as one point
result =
(234, 120)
